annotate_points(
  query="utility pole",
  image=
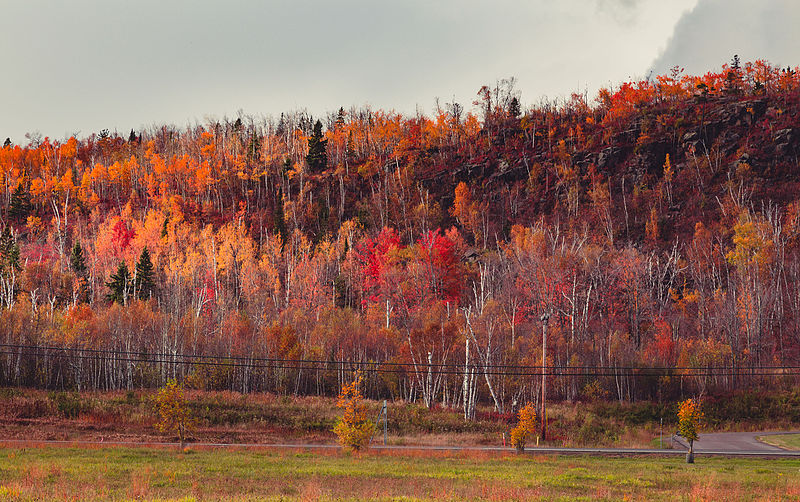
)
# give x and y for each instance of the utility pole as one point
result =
(382, 415)
(544, 318)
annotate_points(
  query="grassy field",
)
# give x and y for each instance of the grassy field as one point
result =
(786, 441)
(164, 474)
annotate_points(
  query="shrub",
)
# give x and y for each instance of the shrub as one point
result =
(26, 407)
(525, 428)
(173, 411)
(591, 431)
(68, 405)
(353, 428)
(9, 392)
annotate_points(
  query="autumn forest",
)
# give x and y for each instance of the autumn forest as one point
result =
(657, 224)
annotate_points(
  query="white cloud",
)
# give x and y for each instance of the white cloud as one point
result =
(715, 30)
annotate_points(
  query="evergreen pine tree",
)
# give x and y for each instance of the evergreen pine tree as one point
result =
(254, 148)
(317, 158)
(9, 265)
(144, 280)
(20, 205)
(734, 77)
(287, 166)
(77, 261)
(281, 129)
(514, 108)
(119, 285)
(7, 142)
(9, 252)
(340, 296)
(6, 241)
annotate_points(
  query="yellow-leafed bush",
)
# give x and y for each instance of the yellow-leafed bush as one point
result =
(525, 428)
(173, 411)
(353, 428)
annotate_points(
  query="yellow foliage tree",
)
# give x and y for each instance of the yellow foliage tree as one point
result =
(353, 428)
(753, 249)
(173, 411)
(525, 428)
(690, 419)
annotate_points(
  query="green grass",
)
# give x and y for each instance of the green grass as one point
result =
(663, 444)
(786, 441)
(164, 474)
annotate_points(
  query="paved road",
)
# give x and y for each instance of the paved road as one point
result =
(723, 448)
(733, 442)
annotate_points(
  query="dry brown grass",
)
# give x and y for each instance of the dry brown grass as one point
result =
(232, 417)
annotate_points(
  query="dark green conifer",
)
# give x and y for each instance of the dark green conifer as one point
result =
(9, 252)
(145, 277)
(77, 261)
(317, 158)
(119, 285)
(254, 148)
(9, 263)
(20, 206)
(514, 109)
(6, 240)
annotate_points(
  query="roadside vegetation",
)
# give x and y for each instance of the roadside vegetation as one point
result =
(785, 441)
(269, 418)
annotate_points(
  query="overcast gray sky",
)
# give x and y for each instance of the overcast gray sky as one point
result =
(79, 66)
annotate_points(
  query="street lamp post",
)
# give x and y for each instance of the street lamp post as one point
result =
(544, 318)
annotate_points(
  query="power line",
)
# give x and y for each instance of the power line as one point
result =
(250, 361)
(402, 368)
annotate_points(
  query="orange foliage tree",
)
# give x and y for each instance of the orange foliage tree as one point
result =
(525, 428)
(690, 419)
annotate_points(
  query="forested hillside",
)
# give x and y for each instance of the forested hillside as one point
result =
(658, 224)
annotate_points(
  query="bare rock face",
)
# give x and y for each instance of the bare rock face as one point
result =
(785, 141)
(608, 157)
